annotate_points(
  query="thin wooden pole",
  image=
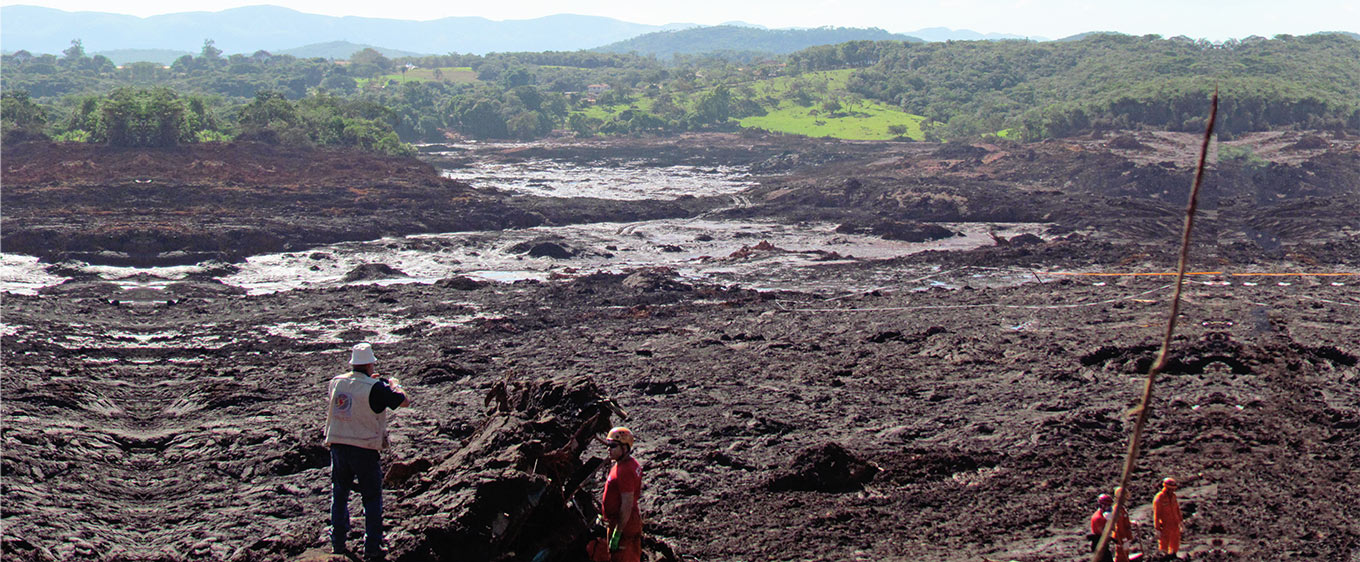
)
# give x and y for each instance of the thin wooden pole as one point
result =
(1157, 366)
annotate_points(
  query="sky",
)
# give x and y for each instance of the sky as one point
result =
(1215, 20)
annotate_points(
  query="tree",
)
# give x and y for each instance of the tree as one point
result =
(20, 118)
(142, 118)
(483, 119)
(210, 51)
(73, 55)
(339, 83)
(369, 62)
(268, 115)
(714, 106)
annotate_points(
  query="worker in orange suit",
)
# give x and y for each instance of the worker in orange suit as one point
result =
(1166, 518)
(1123, 528)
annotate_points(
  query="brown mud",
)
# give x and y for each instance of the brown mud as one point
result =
(897, 424)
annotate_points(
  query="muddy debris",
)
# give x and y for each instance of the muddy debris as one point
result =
(1127, 142)
(150, 418)
(515, 489)
(372, 272)
(906, 231)
(461, 283)
(544, 247)
(828, 467)
(655, 279)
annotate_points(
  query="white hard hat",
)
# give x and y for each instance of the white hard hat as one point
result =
(362, 354)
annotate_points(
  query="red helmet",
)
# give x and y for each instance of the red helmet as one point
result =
(1169, 483)
(1105, 499)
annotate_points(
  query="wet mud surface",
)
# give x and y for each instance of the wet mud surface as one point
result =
(890, 420)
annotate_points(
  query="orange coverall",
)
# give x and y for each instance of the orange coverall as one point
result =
(1123, 534)
(1166, 518)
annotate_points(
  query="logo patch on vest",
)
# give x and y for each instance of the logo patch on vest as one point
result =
(343, 405)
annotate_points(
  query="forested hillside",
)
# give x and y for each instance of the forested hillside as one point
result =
(857, 89)
(1111, 81)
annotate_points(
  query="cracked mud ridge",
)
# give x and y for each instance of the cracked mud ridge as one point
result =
(908, 398)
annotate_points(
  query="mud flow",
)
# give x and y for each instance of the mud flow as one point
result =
(827, 350)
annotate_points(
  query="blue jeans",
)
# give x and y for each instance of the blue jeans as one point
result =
(347, 464)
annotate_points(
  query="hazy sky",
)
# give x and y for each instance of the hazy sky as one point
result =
(1209, 19)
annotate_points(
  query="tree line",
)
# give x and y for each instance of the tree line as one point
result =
(964, 89)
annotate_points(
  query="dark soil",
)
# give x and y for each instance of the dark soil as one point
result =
(943, 424)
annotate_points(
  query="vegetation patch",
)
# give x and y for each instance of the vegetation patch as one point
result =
(864, 121)
(446, 75)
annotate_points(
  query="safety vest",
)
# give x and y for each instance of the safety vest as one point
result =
(350, 420)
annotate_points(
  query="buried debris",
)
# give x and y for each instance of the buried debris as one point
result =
(652, 279)
(372, 271)
(906, 231)
(824, 468)
(517, 489)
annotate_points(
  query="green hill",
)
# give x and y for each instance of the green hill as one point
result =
(341, 50)
(727, 38)
(162, 57)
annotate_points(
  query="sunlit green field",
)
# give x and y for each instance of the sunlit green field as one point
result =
(864, 121)
(448, 74)
(606, 112)
(854, 119)
(831, 111)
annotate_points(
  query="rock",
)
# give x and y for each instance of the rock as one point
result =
(959, 151)
(461, 283)
(655, 279)
(554, 248)
(551, 250)
(653, 388)
(400, 472)
(824, 468)
(906, 231)
(1309, 142)
(1126, 142)
(1026, 240)
(371, 271)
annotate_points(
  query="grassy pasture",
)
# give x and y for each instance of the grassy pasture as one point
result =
(831, 111)
(449, 75)
(854, 119)
(863, 121)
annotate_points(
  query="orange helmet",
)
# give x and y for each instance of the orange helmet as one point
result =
(620, 435)
(1169, 483)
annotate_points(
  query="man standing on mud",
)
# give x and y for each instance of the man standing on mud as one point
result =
(356, 429)
(1166, 518)
(1123, 528)
(622, 490)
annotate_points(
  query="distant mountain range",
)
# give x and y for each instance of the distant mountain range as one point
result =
(946, 34)
(271, 28)
(125, 38)
(339, 50)
(665, 44)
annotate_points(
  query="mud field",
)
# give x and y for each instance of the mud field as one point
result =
(859, 390)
